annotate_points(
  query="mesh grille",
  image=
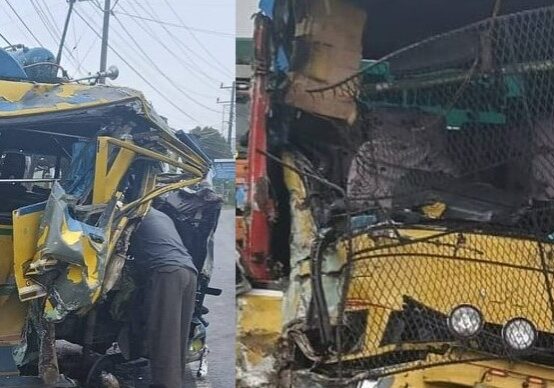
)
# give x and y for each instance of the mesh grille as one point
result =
(457, 168)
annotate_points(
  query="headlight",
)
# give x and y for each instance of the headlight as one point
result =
(465, 321)
(519, 334)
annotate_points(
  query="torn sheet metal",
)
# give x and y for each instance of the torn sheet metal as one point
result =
(304, 235)
(298, 293)
(76, 249)
(26, 103)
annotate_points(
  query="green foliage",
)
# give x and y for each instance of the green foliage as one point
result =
(212, 142)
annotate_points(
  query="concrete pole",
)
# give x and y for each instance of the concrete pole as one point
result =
(105, 31)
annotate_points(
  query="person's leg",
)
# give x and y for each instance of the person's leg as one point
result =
(164, 327)
(187, 309)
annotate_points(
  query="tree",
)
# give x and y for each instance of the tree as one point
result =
(211, 141)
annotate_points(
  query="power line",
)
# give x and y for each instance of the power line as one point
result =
(24, 24)
(179, 42)
(51, 28)
(202, 30)
(160, 71)
(49, 14)
(225, 70)
(85, 57)
(44, 18)
(185, 64)
(98, 5)
(137, 72)
(5, 40)
(76, 41)
(64, 32)
(41, 17)
(196, 69)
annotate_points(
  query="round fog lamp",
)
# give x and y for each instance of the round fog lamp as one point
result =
(519, 334)
(465, 321)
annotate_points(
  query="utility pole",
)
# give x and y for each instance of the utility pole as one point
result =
(105, 31)
(223, 121)
(231, 110)
(231, 115)
(64, 33)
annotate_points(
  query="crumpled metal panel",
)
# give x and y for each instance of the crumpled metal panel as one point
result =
(24, 99)
(17, 98)
(298, 294)
(79, 252)
(303, 231)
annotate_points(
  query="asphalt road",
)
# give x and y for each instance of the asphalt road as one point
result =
(221, 332)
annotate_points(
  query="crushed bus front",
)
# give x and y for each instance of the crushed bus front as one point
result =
(79, 166)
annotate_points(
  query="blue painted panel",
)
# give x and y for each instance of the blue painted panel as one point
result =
(10, 68)
(7, 364)
(224, 170)
(37, 207)
(266, 6)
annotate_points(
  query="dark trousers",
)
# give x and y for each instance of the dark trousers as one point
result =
(171, 295)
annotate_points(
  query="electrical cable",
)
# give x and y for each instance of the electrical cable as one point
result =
(212, 57)
(180, 61)
(46, 10)
(45, 23)
(160, 71)
(5, 40)
(184, 47)
(23, 22)
(87, 52)
(168, 100)
(195, 69)
(54, 32)
(202, 30)
(190, 59)
(76, 41)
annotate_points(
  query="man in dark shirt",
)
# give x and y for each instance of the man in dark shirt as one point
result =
(171, 290)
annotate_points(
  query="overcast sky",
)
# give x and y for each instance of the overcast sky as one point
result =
(245, 24)
(193, 62)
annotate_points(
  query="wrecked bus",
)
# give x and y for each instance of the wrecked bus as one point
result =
(399, 223)
(80, 164)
